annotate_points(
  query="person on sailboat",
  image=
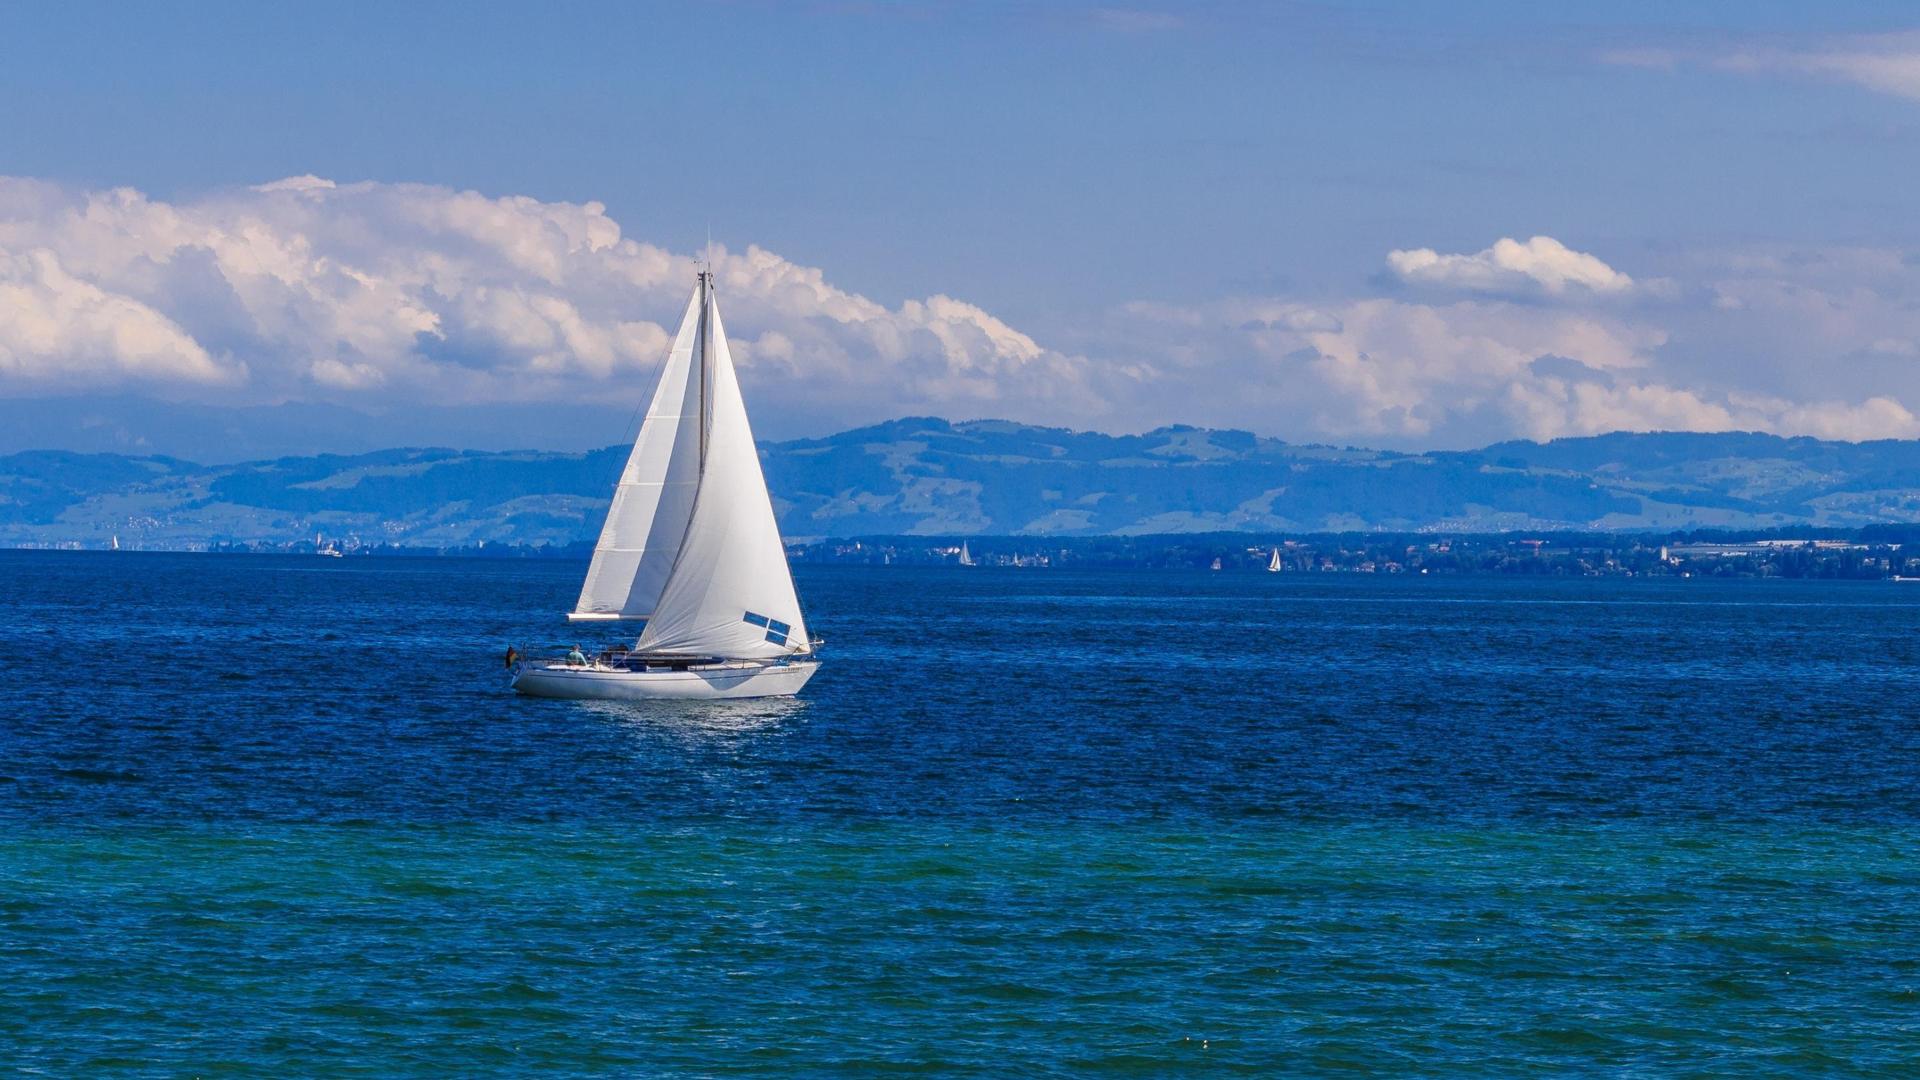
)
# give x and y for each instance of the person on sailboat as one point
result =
(576, 657)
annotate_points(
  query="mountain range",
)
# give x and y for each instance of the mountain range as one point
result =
(926, 476)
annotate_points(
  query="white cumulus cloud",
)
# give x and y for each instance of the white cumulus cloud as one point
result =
(1382, 371)
(1541, 263)
(60, 329)
(305, 288)
(393, 295)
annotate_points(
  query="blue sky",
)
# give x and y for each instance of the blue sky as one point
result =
(1189, 211)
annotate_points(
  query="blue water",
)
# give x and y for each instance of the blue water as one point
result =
(281, 816)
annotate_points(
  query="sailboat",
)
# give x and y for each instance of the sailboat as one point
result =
(116, 541)
(1273, 564)
(1216, 563)
(966, 557)
(324, 549)
(690, 548)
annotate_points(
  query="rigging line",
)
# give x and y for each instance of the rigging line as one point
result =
(653, 378)
(633, 421)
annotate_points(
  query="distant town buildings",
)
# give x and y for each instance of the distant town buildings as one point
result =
(1581, 555)
(1867, 554)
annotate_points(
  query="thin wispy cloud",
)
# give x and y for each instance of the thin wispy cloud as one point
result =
(1134, 20)
(1884, 63)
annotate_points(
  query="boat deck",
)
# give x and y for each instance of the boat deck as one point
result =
(661, 662)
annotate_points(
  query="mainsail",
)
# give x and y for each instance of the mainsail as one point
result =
(730, 592)
(693, 547)
(651, 505)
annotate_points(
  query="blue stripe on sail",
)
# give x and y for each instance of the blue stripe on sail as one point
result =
(758, 620)
(777, 639)
(779, 627)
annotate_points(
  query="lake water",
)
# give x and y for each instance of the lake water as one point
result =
(282, 816)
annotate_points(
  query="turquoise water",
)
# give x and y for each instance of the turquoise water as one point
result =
(285, 820)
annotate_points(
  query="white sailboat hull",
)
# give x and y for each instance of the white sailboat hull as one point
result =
(730, 679)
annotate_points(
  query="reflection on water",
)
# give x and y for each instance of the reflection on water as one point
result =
(670, 719)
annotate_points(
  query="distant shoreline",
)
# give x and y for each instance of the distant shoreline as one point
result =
(1877, 552)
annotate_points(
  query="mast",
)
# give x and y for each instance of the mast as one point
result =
(706, 362)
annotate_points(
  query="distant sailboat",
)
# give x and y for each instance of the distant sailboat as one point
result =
(331, 551)
(1216, 563)
(691, 547)
(116, 541)
(1273, 564)
(966, 557)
